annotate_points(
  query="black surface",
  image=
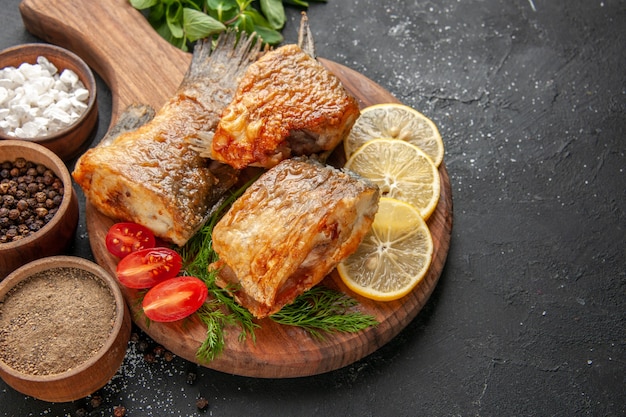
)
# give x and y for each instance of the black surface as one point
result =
(529, 316)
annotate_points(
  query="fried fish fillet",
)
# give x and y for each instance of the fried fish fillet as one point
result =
(288, 230)
(151, 175)
(287, 104)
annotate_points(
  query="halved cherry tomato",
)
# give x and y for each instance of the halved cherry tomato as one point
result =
(124, 238)
(174, 299)
(147, 267)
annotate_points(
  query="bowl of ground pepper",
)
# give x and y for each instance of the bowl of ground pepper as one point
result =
(48, 97)
(38, 205)
(64, 328)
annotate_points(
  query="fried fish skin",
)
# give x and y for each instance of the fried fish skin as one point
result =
(287, 104)
(289, 230)
(152, 175)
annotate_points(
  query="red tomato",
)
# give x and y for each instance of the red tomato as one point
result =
(174, 299)
(147, 267)
(124, 238)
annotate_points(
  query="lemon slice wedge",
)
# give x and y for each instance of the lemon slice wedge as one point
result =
(401, 171)
(396, 121)
(394, 256)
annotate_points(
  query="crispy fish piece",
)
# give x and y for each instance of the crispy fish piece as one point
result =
(287, 104)
(151, 175)
(288, 230)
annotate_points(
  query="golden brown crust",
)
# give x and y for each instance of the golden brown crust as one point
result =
(153, 175)
(289, 230)
(287, 104)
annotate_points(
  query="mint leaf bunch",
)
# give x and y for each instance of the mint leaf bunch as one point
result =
(182, 22)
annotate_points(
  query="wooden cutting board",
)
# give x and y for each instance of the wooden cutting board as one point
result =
(140, 67)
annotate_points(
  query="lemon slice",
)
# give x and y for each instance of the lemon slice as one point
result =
(401, 171)
(394, 256)
(396, 121)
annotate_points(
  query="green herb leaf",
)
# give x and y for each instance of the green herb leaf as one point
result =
(221, 4)
(222, 10)
(243, 4)
(174, 16)
(245, 21)
(300, 3)
(197, 255)
(265, 17)
(269, 36)
(274, 13)
(198, 25)
(322, 310)
(143, 4)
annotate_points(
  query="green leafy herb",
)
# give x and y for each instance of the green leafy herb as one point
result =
(322, 310)
(181, 22)
(222, 311)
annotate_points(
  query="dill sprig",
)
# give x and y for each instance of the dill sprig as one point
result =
(222, 310)
(322, 310)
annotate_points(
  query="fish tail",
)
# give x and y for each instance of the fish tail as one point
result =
(216, 69)
(223, 60)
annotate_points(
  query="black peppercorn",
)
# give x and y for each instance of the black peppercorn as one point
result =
(96, 401)
(142, 346)
(41, 212)
(30, 195)
(81, 412)
(19, 163)
(119, 411)
(8, 200)
(14, 214)
(22, 205)
(191, 378)
(202, 404)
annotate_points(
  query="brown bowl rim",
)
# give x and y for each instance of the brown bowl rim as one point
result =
(68, 190)
(89, 82)
(42, 264)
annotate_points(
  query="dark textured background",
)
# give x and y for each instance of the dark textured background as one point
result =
(529, 316)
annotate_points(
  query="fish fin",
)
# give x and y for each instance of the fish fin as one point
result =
(202, 143)
(224, 59)
(305, 37)
(133, 117)
(221, 63)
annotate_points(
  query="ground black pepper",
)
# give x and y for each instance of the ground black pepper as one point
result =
(30, 195)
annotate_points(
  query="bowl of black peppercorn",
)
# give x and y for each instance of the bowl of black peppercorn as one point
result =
(38, 205)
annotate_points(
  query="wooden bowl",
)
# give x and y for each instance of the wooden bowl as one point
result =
(67, 142)
(58, 233)
(92, 374)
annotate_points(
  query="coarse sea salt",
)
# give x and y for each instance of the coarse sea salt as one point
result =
(36, 100)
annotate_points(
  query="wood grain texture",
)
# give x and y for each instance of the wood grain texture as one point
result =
(139, 67)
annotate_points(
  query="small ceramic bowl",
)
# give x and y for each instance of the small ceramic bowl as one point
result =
(93, 373)
(67, 142)
(56, 235)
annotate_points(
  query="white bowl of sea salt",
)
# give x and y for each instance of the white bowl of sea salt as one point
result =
(47, 96)
(64, 328)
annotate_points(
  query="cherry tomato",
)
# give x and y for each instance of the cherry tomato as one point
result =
(124, 238)
(147, 267)
(174, 299)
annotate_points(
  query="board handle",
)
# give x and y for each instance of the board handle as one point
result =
(115, 40)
